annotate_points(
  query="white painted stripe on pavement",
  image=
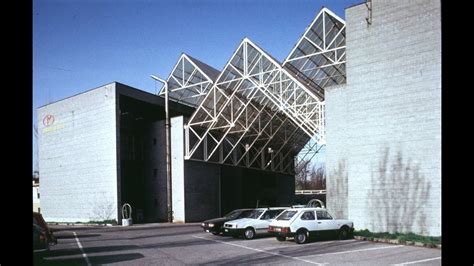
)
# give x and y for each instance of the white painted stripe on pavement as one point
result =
(417, 261)
(82, 250)
(262, 251)
(294, 245)
(350, 251)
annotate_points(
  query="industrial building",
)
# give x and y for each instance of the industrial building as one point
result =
(105, 147)
(369, 88)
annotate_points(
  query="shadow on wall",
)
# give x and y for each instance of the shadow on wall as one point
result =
(397, 196)
(338, 190)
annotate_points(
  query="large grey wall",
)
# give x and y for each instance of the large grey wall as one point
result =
(384, 126)
(77, 158)
(155, 167)
(201, 190)
(337, 150)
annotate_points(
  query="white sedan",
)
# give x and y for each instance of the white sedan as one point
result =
(309, 222)
(255, 224)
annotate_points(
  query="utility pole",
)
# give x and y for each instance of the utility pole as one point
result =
(168, 151)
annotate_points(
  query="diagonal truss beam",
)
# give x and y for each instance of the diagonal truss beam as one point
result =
(188, 83)
(319, 56)
(256, 112)
(245, 110)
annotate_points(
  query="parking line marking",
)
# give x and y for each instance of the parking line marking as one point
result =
(308, 244)
(82, 250)
(296, 245)
(416, 261)
(262, 251)
(351, 251)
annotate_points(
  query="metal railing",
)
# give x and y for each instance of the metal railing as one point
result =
(310, 192)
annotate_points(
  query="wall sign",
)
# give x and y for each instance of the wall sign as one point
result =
(48, 120)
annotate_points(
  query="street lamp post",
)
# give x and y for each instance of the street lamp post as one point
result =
(168, 151)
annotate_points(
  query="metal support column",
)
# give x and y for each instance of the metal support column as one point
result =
(168, 152)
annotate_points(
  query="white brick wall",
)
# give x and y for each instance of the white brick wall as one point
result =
(385, 124)
(337, 160)
(177, 162)
(77, 158)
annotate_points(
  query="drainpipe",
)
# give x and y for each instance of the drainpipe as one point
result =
(168, 151)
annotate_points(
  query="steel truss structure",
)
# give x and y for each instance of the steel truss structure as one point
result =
(190, 80)
(258, 113)
(319, 56)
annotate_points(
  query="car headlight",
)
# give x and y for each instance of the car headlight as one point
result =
(211, 225)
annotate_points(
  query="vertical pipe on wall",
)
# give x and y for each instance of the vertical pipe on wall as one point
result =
(168, 152)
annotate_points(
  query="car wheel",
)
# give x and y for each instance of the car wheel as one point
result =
(301, 237)
(249, 233)
(281, 238)
(343, 233)
(215, 233)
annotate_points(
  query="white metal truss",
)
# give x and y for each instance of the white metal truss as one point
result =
(189, 81)
(319, 60)
(308, 152)
(257, 114)
(319, 57)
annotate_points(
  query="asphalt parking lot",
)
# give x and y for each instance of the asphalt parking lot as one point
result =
(169, 244)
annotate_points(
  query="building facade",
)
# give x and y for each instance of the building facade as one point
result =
(369, 88)
(384, 125)
(36, 196)
(105, 147)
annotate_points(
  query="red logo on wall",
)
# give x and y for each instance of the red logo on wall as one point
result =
(48, 120)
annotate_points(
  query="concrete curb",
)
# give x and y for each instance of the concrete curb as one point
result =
(78, 224)
(397, 242)
(117, 225)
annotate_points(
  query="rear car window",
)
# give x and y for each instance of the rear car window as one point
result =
(270, 214)
(323, 215)
(232, 214)
(308, 215)
(286, 215)
(255, 214)
(245, 214)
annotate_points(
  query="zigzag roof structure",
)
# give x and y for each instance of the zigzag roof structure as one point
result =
(257, 112)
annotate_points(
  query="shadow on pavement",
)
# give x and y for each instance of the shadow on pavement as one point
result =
(63, 236)
(95, 260)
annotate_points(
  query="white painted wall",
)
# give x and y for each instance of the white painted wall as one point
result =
(77, 157)
(177, 166)
(384, 126)
(36, 199)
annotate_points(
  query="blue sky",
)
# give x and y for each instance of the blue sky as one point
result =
(80, 45)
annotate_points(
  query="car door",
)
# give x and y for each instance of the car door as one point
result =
(325, 222)
(265, 221)
(307, 220)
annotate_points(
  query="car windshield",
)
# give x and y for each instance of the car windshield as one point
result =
(254, 214)
(286, 215)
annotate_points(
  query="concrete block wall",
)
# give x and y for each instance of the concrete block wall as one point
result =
(337, 150)
(36, 200)
(155, 167)
(286, 189)
(201, 190)
(77, 157)
(177, 169)
(385, 124)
